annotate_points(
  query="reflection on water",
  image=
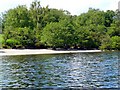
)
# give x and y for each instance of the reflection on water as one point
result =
(66, 70)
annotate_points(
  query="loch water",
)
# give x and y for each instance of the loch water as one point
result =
(98, 70)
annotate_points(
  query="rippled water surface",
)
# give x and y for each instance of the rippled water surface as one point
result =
(99, 70)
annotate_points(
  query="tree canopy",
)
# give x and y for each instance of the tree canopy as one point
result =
(44, 27)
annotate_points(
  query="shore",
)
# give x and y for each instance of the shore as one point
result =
(9, 52)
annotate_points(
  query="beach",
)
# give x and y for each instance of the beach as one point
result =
(9, 52)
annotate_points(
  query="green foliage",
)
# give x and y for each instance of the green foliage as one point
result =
(22, 35)
(93, 16)
(109, 18)
(1, 40)
(0, 25)
(58, 34)
(39, 27)
(12, 42)
(115, 42)
(111, 43)
(18, 17)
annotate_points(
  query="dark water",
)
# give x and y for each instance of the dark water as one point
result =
(99, 70)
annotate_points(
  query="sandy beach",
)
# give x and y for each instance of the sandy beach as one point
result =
(7, 52)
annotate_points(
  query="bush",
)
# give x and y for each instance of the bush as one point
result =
(112, 43)
(12, 43)
(115, 40)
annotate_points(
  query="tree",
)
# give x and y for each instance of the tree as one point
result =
(112, 43)
(91, 29)
(115, 42)
(109, 17)
(93, 16)
(0, 25)
(17, 17)
(58, 34)
(36, 14)
(39, 26)
(18, 37)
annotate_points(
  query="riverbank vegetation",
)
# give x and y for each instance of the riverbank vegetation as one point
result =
(1, 38)
(44, 27)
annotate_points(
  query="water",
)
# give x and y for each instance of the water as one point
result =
(99, 70)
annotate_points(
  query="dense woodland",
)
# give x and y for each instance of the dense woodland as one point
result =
(44, 27)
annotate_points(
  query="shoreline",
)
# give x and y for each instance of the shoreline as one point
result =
(14, 52)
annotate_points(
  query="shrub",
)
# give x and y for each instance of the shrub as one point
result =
(12, 43)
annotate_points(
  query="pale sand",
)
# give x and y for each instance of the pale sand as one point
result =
(7, 52)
